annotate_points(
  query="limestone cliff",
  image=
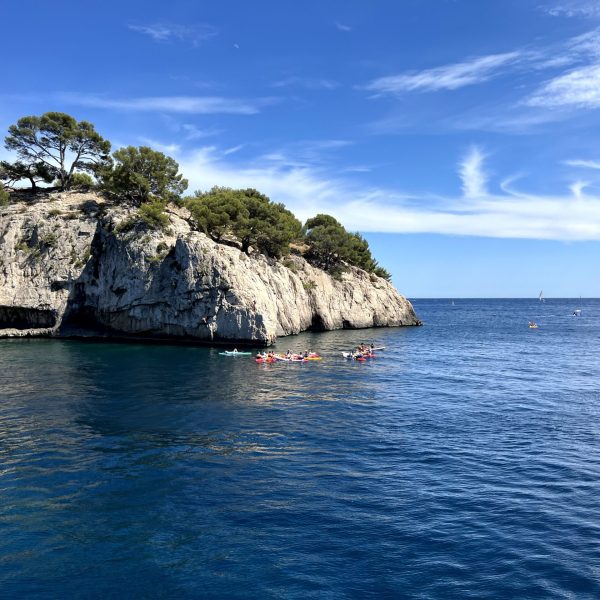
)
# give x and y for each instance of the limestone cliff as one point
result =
(66, 270)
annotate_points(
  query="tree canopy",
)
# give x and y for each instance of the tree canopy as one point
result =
(247, 215)
(216, 212)
(55, 146)
(60, 143)
(144, 175)
(330, 247)
(11, 173)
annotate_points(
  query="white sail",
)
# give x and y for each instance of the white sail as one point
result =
(541, 296)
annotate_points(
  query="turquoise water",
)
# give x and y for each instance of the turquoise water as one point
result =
(463, 462)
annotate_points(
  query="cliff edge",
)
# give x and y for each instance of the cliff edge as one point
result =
(67, 269)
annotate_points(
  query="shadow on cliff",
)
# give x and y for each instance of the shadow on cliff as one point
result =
(79, 318)
(93, 309)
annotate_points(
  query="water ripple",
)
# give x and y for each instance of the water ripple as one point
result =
(462, 462)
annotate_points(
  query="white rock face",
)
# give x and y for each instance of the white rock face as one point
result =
(65, 271)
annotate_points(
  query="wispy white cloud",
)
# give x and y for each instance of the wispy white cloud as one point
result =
(171, 104)
(168, 32)
(306, 153)
(343, 27)
(448, 77)
(584, 164)
(307, 83)
(579, 88)
(233, 149)
(573, 8)
(310, 190)
(472, 175)
(161, 147)
(193, 133)
(577, 187)
(585, 44)
(358, 169)
(517, 109)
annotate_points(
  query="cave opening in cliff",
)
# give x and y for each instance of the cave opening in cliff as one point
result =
(18, 317)
(317, 324)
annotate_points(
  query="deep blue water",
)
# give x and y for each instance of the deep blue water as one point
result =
(464, 462)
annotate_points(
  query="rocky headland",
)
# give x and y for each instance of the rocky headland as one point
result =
(67, 269)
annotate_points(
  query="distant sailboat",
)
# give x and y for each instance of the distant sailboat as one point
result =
(541, 297)
(577, 311)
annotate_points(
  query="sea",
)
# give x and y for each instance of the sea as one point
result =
(462, 462)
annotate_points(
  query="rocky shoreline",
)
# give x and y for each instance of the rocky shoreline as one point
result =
(68, 270)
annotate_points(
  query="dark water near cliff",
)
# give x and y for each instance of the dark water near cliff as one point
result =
(463, 463)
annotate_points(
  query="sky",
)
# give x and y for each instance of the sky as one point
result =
(460, 137)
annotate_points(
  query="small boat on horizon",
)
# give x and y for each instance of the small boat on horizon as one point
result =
(541, 296)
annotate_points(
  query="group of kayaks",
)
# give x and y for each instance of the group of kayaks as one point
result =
(271, 357)
(361, 354)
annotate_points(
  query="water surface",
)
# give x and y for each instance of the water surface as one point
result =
(462, 462)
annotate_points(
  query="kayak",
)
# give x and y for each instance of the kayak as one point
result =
(273, 359)
(360, 357)
(370, 354)
(234, 353)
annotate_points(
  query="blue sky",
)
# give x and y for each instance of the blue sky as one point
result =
(460, 137)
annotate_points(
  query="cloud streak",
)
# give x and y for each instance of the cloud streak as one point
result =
(579, 88)
(170, 32)
(448, 77)
(584, 164)
(306, 83)
(308, 190)
(171, 104)
(573, 8)
(472, 175)
(342, 27)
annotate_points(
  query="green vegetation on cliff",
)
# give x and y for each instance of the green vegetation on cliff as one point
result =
(143, 175)
(55, 146)
(330, 247)
(247, 215)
